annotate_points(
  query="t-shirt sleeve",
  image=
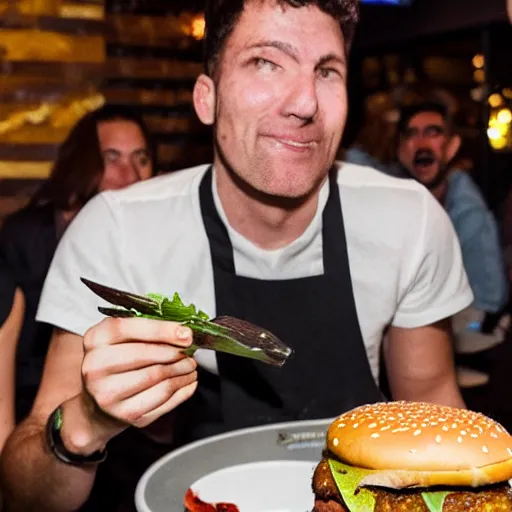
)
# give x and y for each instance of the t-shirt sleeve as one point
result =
(91, 247)
(437, 286)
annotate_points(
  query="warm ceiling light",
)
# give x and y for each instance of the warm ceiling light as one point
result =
(479, 75)
(493, 133)
(198, 27)
(507, 92)
(504, 116)
(478, 61)
(495, 100)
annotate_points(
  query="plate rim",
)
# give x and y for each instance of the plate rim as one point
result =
(140, 501)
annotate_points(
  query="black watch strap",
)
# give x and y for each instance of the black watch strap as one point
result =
(56, 446)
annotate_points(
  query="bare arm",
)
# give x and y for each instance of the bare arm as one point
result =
(9, 334)
(420, 365)
(105, 384)
(33, 479)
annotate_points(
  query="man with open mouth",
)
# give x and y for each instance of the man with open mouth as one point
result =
(427, 145)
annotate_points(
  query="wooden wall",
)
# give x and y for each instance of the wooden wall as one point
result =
(52, 63)
(154, 56)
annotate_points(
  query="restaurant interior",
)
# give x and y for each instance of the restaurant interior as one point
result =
(62, 58)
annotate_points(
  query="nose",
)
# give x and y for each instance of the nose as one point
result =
(130, 173)
(302, 99)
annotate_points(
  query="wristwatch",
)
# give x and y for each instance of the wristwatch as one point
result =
(56, 446)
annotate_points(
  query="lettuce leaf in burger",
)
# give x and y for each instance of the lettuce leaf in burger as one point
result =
(414, 457)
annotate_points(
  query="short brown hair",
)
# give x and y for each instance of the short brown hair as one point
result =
(222, 15)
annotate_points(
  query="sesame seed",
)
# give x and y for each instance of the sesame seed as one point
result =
(396, 430)
(463, 432)
(372, 425)
(438, 438)
(355, 425)
(494, 435)
(459, 440)
(341, 425)
(336, 441)
(509, 451)
(387, 427)
(485, 449)
(442, 420)
(454, 425)
(375, 435)
(417, 432)
(474, 435)
(446, 428)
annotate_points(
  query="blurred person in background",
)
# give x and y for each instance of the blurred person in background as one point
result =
(374, 143)
(427, 145)
(107, 149)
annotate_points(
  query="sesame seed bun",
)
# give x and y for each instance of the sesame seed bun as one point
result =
(419, 444)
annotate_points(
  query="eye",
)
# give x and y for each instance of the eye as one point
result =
(110, 157)
(268, 65)
(142, 160)
(434, 131)
(329, 73)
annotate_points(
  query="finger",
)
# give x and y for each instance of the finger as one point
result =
(111, 331)
(180, 396)
(116, 388)
(134, 408)
(125, 357)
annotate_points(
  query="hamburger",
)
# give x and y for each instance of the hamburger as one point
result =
(414, 457)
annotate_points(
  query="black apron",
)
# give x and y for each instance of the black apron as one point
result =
(328, 372)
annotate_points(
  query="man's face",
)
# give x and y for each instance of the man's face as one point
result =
(425, 148)
(280, 104)
(125, 154)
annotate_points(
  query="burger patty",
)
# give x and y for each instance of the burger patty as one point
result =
(489, 499)
(327, 496)
(496, 498)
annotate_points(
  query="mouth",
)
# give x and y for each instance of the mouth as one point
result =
(424, 162)
(293, 144)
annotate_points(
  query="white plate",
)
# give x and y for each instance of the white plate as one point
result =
(164, 484)
(274, 486)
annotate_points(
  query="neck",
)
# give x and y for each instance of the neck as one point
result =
(268, 222)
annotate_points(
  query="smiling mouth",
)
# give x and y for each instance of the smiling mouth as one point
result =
(294, 145)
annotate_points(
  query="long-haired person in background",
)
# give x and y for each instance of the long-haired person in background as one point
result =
(107, 149)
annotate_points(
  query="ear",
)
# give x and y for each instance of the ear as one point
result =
(453, 147)
(204, 96)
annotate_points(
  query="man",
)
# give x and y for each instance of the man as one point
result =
(427, 145)
(263, 237)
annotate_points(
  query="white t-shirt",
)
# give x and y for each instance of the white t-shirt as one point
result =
(405, 260)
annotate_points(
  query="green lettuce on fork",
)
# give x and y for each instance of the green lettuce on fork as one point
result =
(224, 334)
